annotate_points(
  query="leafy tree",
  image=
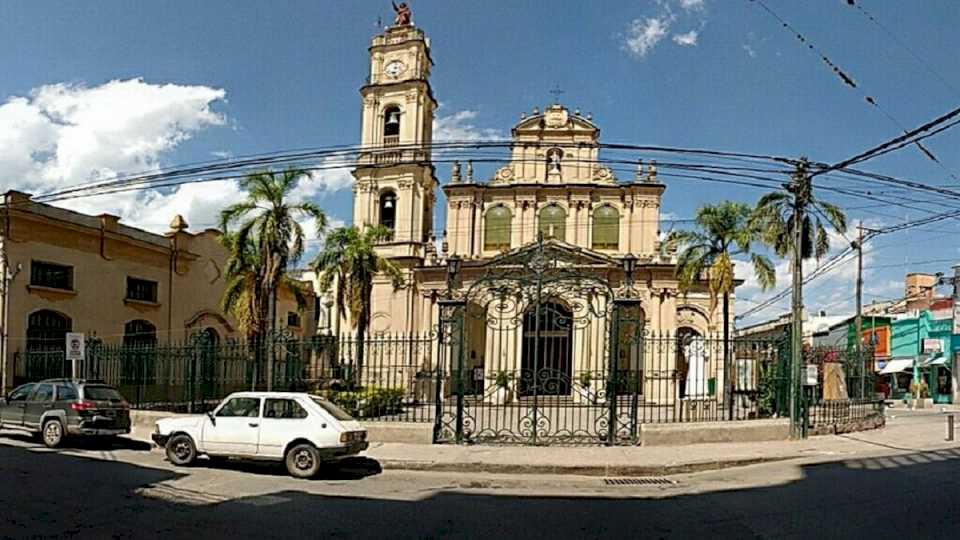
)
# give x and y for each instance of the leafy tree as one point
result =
(723, 232)
(349, 261)
(263, 235)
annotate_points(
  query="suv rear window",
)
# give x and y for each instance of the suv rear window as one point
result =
(334, 411)
(101, 393)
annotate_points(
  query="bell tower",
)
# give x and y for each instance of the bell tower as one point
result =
(395, 182)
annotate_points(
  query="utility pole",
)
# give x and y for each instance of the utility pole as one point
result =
(858, 245)
(799, 186)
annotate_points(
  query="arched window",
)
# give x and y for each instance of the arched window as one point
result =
(139, 333)
(47, 330)
(496, 231)
(553, 222)
(388, 209)
(606, 228)
(391, 125)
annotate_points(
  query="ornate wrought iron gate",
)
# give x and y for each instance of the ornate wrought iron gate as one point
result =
(538, 349)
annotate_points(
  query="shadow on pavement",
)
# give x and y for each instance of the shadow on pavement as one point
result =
(908, 496)
(354, 468)
(82, 443)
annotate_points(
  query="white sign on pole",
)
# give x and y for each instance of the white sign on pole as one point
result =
(810, 375)
(75, 351)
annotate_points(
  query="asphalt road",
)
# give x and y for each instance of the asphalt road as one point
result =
(128, 491)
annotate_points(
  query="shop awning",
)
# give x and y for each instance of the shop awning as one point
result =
(897, 365)
(938, 360)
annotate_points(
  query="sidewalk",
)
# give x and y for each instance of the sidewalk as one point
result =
(906, 432)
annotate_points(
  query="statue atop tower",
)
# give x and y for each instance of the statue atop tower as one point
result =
(404, 15)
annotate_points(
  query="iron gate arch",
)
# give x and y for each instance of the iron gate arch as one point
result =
(534, 350)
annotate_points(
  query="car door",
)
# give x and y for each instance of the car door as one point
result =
(37, 404)
(283, 421)
(11, 412)
(234, 429)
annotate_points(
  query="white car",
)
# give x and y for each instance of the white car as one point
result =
(302, 430)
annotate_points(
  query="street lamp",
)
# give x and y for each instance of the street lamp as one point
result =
(453, 268)
(629, 265)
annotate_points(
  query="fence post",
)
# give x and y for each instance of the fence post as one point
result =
(950, 422)
(461, 314)
(612, 375)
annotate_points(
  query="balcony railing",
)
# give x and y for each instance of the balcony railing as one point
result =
(391, 140)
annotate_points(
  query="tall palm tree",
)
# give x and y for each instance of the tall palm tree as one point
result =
(782, 217)
(723, 232)
(350, 261)
(268, 238)
(776, 212)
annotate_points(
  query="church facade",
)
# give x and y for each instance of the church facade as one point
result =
(538, 253)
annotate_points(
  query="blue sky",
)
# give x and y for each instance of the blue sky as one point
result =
(107, 86)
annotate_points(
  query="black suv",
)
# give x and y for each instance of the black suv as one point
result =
(56, 408)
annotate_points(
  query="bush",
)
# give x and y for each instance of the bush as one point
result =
(368, 403)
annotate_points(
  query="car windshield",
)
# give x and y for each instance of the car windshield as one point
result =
(101, 393)
(334, 411)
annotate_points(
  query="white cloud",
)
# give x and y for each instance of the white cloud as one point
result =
(63, 135)
(686, 40)
(66, 134)
(832, 292)
(459, 126)
(693, 5)
(644, 34)
(751, 52)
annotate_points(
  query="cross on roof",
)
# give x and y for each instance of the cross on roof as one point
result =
(557, 92)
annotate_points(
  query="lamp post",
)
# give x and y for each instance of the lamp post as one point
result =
(453, 268)
(629, 265)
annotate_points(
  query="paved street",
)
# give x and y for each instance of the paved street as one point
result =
(127, 490)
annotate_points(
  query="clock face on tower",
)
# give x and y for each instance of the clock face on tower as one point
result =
(394, 69)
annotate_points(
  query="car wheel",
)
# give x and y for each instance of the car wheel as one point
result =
(52, 433)
(303, 461)
(180, 450)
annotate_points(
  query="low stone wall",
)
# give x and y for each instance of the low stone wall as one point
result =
(875, 421)
(714, 432)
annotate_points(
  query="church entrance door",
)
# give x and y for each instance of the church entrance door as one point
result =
(546, 365)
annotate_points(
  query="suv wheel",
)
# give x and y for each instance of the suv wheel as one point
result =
(303, 461)
(52, 433)
(180, 450)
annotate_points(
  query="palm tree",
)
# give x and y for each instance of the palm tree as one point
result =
(240, 298)
(350, 261)
(267, 239)
(776, 212)
(724, 232)
(784, 218)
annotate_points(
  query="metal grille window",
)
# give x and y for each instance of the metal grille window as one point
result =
(55, 276)
(496, 234)
(553, 222)
(606, 228)
(141, 289)
(47, 331)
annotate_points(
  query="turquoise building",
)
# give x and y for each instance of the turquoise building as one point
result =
(924, 344)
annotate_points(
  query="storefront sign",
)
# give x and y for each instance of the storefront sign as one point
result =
(931, 345)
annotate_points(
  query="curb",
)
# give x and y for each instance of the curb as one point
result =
(585, 470)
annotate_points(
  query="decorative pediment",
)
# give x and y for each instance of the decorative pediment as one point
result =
(555, 251)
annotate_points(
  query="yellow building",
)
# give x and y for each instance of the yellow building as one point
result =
(552, 203)
(71, 272)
